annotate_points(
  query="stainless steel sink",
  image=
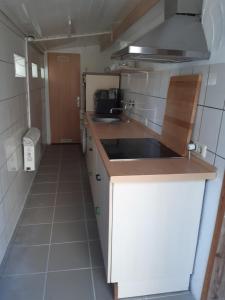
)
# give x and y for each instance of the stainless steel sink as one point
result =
(106, 120)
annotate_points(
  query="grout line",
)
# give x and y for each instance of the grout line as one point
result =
(57, 222)
(54, 243)
(211, 107)
(86, 226)
(53, 216)
(41, 194)
(50, 271)
(220, 129)
(52, 206)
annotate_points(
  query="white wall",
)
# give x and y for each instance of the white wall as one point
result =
(37, 93)
(91, 58)
(14, 183)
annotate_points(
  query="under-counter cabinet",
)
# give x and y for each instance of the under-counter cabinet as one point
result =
(148, 230)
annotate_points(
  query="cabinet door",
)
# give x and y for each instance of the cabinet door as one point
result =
(89, 150)
(91, 162)
(102, 208)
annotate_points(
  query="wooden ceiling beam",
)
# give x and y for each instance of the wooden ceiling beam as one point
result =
(139, 11)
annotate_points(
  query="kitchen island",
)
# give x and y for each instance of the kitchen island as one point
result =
(148, 212)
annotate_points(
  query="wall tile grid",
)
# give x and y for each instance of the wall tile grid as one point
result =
(14, 182)
(149, 91)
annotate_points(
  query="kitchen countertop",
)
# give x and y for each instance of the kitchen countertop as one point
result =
(170, 169)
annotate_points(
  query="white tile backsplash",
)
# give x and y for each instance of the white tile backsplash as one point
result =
(221, 144)
(204, 71)
(215, 94)
(188, 70)
(210, 157)
(210, 127)
(197, 124)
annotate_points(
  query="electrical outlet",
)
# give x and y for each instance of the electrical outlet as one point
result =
(201, 149)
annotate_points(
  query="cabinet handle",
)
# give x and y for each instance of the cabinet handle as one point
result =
(98, 177)
(97, 210)
(90, 149)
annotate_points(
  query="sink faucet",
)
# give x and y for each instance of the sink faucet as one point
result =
(115, 108)
(118, 108)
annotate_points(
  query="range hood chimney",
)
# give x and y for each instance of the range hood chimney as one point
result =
(180, 38)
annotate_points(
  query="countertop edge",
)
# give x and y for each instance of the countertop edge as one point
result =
(206, 171)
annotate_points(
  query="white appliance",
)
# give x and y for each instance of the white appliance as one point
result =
(91, 83)
(32, 149)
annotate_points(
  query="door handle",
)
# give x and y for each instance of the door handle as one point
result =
(98, 177)
(78, 101)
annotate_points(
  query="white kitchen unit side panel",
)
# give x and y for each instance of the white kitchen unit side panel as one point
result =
(154, 237)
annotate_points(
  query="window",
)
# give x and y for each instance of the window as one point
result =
(42, 73)
(20, 66)
(34, 70)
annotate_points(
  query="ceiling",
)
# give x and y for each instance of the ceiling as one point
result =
(47, 18)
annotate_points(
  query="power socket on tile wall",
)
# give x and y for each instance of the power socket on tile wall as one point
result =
(201, 149)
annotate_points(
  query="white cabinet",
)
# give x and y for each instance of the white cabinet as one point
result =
(148, 230)
(100, 188)
(91, 160)
(154, 235)
(102, 208)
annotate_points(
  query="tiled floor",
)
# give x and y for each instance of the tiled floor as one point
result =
(55, 252)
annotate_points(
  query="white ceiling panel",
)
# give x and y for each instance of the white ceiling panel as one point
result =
(43, 18)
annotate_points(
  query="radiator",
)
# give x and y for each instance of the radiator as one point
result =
(32, 149)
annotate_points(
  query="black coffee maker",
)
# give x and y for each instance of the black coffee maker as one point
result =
(105, 100)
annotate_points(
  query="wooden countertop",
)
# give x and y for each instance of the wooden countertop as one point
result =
(171, 169)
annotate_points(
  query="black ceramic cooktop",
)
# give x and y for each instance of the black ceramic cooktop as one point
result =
(119, 149)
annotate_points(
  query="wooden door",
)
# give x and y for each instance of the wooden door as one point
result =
(64, 88)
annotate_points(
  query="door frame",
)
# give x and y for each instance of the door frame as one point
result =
(47, 98)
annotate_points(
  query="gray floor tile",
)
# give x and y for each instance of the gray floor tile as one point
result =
(33, 216)
(69, 232)
(69, 256)
(90, 211)
(44, 200)
(32, 235)
(48, 170)
(67, 187)
(103, 291)
(40, 178)
(92, 230)
(69, 213)
(26, 287)
(68, 177)
(25, 260)
(55, 161)
(43, 188)
(69, 199)
(70, 285)
(96, 254)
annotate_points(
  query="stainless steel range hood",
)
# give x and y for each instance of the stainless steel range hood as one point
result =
(180, 38)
